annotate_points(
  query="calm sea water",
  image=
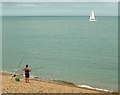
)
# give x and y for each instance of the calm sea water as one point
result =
(70, 49)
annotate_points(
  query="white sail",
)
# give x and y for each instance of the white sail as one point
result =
(92, 17)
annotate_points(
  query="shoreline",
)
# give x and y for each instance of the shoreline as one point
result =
(62, 82)
(60, 85)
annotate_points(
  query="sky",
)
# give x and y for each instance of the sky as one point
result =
(76, 8)
(59, 8)
(59, 0)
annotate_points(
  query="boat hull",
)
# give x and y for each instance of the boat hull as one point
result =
(92, 20)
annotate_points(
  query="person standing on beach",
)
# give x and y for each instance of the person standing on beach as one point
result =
(27, 75)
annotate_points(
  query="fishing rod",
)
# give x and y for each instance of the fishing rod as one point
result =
(14, 73)
(37, 68)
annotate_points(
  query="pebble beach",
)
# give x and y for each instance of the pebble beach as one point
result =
(40, 86)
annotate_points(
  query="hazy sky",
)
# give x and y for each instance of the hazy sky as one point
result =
(60, 0)
(59, 8)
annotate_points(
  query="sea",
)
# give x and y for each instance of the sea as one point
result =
(63, 48)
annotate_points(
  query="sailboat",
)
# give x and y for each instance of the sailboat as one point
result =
(92, 17)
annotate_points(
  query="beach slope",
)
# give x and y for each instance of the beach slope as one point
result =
(41, 86)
